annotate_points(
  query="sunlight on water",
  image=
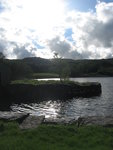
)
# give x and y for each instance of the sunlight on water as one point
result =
(55, 79)
(48, 108)
(73, 108)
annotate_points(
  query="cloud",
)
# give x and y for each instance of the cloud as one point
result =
(93, 32)
(3, 45)
(104, 11)
(27, 21)
(63, 48)
(22, 52)
(30, 28)
(13, 50)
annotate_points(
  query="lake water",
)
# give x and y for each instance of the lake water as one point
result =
(73, 108)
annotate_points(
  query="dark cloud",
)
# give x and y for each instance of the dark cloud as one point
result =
(101, 34)
(22, 52)
(3, 45)
(18, 52)
(3, 41)
(63, 48)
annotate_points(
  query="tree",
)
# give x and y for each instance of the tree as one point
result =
(65, 70)
(56, 55)
(20, 70)
(1, 58)
(62, 67)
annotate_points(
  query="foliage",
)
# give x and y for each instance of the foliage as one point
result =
(44, 75)
(74, 68)
(20, 70)
(65, 71)
(5, 73)
(57, 137)
(38, 65)
(17, 68)
(62, 67)
(55, 55)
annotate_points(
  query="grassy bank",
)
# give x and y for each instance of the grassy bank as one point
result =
(55, 137)
(29, 90)
(36, 82)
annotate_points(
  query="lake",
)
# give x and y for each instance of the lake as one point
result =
(73, 108)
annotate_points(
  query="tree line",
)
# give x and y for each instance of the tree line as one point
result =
(24, 68)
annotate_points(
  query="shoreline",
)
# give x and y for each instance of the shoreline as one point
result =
(7, 116)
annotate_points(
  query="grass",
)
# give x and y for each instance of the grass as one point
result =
(55, 137)
(36, 82)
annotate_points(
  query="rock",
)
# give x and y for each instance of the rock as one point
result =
(32, 122)
(81, 121)
(12, 116)
(27, 121)
(56, 121)
(95, 120)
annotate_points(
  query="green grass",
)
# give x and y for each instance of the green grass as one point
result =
(36, 82)
(55, 137)
(44, 75)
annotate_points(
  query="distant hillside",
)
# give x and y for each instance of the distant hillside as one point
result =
(22, 68)
(103, 67)
(38, 64)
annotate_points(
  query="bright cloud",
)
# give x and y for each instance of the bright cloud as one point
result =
(93, 32)
(39, 28)
(23, 22)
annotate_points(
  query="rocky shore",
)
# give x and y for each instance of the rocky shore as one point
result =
(27, 121)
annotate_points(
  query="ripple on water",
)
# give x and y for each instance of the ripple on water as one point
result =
(72, 108)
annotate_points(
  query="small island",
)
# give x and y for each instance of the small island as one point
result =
(33, 90)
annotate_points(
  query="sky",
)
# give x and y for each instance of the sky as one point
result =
(75, 29)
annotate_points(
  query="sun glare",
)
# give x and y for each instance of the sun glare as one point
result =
(34, 20)
(42, 15)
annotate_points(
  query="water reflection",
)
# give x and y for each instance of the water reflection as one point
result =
(48, 79)
(72, 108)
(48, 108)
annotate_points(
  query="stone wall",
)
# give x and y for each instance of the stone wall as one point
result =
(33, 93)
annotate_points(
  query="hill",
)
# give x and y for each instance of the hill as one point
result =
(24, 68)
(78, 68)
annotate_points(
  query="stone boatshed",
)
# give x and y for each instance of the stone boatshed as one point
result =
(4, 74)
